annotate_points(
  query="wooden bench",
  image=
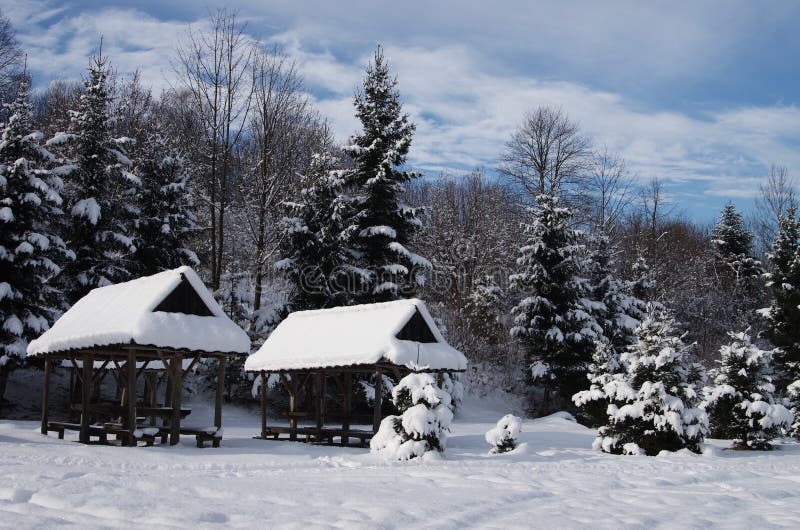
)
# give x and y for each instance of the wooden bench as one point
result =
(312, 433)
(101, 432)
(202, 435)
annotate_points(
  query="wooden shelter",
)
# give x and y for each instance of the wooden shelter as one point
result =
(168, 321)
(311, 349)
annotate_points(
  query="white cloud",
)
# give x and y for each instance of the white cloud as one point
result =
(467, 86)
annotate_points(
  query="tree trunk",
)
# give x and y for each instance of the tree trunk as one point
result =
(4, 372)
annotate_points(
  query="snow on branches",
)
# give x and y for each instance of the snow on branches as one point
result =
(423, 423)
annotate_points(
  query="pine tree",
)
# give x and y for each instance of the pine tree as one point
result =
(619, 311)
(553, 320)
(165, 218)
(484, 309)
(382, 267)
(733, 248)
(606, 368)
(503, 437)
(313, 233)
(783, 316)
(656, 395)
(423, 423)
(30, 247)
(741, 405)
(99, 194)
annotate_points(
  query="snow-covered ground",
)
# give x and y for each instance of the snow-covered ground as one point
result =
(552, 479)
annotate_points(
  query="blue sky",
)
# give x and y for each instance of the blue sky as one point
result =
(701, 94)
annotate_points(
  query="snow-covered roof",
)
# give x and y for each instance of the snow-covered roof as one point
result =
(356, 335)
(145, 311)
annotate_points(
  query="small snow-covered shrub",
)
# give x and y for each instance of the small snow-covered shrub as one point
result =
(423, 423)
(652, 401)
(741, 404)
(503, 437)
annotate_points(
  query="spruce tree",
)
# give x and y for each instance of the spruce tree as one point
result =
(381, 226)
(605, 370)
(733, 248)
(783, 315)
(741, 404)
(30, 247)
(313, 234)
(616, 309)
(99, 194)
(484, 309)
(653, 401)
(424, 420)
(165, 218)
(553, 319)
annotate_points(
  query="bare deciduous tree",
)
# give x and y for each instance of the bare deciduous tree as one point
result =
(11, 60)
(776, 194)
(546, 154)
(214, 67)
(610, 190)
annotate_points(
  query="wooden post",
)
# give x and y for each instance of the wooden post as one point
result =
(440, 379)
(220, 387)
(130, 393)
(293, 406)
(86, 387)
(347, 390)
(176, 382)
(319, 390)
(45, 394)
(376, 414)
(264, 405)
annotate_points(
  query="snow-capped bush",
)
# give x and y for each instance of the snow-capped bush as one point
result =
(741, 405)
(423, 423)
(503, 437)
(651, 407)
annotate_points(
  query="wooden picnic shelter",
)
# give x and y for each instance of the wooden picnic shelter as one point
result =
(163, 323)
(320, 353)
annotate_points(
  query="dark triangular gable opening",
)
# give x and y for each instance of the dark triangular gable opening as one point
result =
(184, 299)
(417, 329)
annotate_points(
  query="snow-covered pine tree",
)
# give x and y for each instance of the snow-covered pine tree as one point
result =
(165, 218)
(503, 436)
(783, 315)
(483, 310)
(606, 368)
(741, 405)
(657, 395)
(30, 247)
(382, 267)
(423, 423)
(733, 248)
(313, 232)
(642, 286)
(618, 311)
(99, 193)
(553, 320)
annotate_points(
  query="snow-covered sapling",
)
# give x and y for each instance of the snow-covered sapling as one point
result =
(741, 405)
(423, 423)
(503, 437)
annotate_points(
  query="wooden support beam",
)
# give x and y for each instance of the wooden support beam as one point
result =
(319, 383)
(376, 413)
(264, 404)
(130, 385)
(86, 393)
(45, 394)
(220, 388)
(176, 384)
(293, 406)
(347, 391)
